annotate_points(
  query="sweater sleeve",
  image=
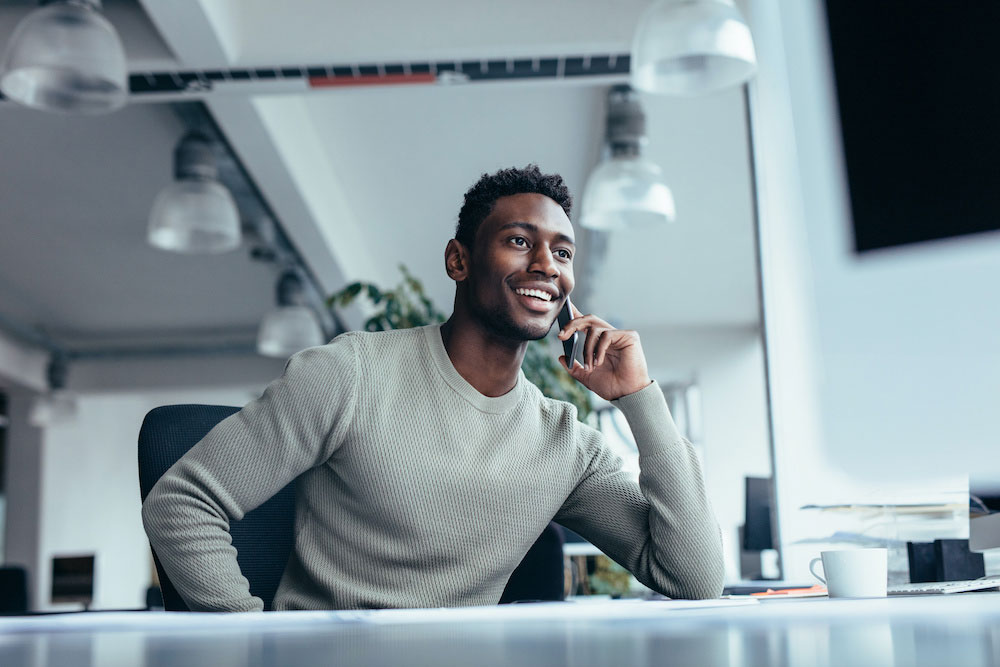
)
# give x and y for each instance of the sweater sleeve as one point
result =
(298, 423)
(662, 529)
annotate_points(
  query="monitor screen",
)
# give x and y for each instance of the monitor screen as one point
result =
(984, 515)
(73, 579)
(757, 532)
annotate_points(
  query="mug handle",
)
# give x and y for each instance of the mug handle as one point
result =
(812, 564)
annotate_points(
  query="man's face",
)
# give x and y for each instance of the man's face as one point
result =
(521, 266)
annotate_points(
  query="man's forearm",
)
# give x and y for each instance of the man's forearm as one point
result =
(685, 542)
(190, 535)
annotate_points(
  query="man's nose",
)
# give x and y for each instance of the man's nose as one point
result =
(542, 261)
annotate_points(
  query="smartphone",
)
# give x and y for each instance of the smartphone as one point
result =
(572, 344)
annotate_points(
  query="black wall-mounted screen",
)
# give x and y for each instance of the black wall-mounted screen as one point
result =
(918, 85)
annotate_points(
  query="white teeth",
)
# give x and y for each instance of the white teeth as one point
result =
(544, 296)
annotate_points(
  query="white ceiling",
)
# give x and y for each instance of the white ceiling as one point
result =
(76, 197)
(360, 179)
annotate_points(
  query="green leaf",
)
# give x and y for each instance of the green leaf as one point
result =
(351, 292)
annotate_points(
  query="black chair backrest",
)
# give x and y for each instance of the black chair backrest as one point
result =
(263, 538)
(540, 574)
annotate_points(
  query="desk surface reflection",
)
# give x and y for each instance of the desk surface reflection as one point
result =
(943, 630)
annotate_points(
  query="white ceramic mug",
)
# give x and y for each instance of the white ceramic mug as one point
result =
(853, 573)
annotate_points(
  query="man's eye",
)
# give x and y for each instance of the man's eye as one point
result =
(564, 254)
(519, 240)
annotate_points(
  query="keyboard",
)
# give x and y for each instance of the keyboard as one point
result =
(946, 587)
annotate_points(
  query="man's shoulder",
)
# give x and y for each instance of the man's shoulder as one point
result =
(352, 351)
(373, 340)
(378, 348)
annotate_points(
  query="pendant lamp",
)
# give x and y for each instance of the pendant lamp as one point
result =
(58, 405)
(292, 326)
(65, 56)
(626, 189)
(195, 213)
(691, 47)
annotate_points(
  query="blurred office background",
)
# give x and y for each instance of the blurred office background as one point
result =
(340, 183)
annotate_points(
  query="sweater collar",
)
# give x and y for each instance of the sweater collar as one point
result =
(491, 404)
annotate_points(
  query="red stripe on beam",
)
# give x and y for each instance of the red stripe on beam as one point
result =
(370, 80)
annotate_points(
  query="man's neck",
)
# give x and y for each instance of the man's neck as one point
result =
(487, 362)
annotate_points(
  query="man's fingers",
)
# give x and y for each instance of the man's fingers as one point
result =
(588, 348)
(583, 323)
(602, 349)
(594, 336)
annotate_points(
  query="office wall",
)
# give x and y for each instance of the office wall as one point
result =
(884, 367)
(90, 490)
(72, 488)
(90, 500)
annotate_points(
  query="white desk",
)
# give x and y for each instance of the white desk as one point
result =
(944, 630)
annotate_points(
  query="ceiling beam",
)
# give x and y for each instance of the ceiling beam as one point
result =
(276, 141)
(278, 146)
(22, 365)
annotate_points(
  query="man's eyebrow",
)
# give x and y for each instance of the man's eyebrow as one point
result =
(534, 228)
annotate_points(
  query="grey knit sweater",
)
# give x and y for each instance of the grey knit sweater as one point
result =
(415, 490)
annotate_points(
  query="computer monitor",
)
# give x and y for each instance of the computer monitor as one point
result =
(984, 514)
(758, 533)
(73, 579)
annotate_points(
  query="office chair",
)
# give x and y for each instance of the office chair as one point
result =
(264, 537)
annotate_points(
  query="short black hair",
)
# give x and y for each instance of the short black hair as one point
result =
(481, 197)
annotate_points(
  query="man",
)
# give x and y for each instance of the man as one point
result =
(427, 464)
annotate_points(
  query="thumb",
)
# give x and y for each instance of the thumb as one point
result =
(572, 371)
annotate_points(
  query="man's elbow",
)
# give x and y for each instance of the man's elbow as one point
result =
(708, 588)
(696, 572)
(704, 582)
(710, 584)
(701, 587)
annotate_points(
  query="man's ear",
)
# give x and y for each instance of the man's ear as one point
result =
(456, 261)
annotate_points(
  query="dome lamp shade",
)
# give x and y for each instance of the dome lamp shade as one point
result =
(196, 213)
(691, 47)
(292, 326)
(65, 56)
(627, 189)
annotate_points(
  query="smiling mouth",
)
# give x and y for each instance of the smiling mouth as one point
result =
(538, 294)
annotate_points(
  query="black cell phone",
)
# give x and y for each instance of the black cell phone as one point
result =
(571, 344)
